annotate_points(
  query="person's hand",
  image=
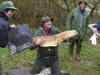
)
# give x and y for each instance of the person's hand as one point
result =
(94, 30)
(39, 40)
(13, 26)
(66, 38)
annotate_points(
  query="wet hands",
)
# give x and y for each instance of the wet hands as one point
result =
(13, 26)
(66, 38)
(94, 30)
(39, 41)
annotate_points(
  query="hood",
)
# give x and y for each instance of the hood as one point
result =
(83, 0)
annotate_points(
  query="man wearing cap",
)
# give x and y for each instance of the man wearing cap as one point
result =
(78, 20)
(46, 56)
(6, 12)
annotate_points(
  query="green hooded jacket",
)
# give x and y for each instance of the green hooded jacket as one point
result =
(77, 21)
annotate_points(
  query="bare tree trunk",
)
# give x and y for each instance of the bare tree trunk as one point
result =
(60, 7)
(74, 3)
(49, 3)
(59, 15)
(94, 7)
(67, 5)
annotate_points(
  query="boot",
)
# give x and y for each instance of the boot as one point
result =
(71, 46)
(70, 58)
(78, 54)
(78, 57)
(71, 54)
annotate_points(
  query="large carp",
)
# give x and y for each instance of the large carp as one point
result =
(55, 40)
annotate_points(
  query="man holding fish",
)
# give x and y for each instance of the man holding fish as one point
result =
(46, 56)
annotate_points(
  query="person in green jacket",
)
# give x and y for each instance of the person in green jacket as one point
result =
(78, 20)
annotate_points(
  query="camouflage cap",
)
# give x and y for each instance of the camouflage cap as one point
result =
(46, 19)
(7, 5)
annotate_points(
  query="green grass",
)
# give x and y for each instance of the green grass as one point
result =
(90, 56)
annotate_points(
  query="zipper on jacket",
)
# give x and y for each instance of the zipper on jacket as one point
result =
(80, 24)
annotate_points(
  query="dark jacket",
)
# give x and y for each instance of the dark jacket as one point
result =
(4, 29)
(46, 51)
(97, 26)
